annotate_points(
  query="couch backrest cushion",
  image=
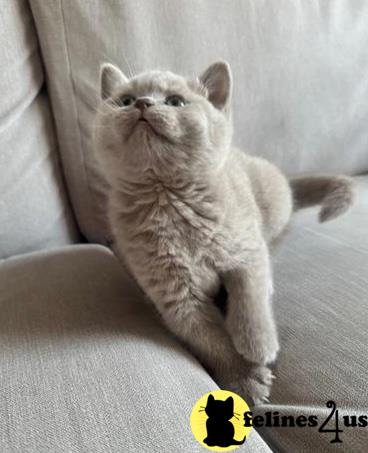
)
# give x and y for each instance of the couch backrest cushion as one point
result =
(34, 212)
(300, 70)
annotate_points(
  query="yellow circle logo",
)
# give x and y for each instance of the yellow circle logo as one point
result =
(217, 421)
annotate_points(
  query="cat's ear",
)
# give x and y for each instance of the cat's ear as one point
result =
(217, 80)
(110, 78)
(230, 402)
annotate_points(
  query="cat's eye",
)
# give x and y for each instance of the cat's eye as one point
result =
(175, 101)
(126, 100)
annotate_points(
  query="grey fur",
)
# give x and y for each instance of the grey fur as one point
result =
(335, 194)
(190, 212)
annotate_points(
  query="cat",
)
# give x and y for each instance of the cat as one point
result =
(189, 213)
(220, 430)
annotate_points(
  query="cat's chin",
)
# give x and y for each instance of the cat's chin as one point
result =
(144, 132)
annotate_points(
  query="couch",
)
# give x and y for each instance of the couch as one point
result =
(85, 364)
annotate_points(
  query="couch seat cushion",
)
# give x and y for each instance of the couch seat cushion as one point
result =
(85, 364)
(321, 302)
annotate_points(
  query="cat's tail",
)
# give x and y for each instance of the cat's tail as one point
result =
(335, 194)
(238, 442)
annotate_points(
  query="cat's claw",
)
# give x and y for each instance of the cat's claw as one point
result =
(263, 374)
(258, 402)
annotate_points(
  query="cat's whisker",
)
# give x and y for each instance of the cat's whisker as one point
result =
(131, 73)
(112, 107)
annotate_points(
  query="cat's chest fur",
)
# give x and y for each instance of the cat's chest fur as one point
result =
(177, 234)
(161, 221)
(160, 229)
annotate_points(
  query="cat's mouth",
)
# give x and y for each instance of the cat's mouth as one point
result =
(143, 127)
(145, 124)
(143, 121)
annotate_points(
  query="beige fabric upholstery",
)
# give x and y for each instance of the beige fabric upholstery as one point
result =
(299, 68)
(86, 367)
(34, 212)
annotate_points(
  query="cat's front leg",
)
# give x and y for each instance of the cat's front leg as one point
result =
(249, 318)
(199, 325)
(202, 329)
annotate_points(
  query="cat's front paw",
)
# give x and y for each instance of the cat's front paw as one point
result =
(253, 384)
(259, 348)
(261, 352)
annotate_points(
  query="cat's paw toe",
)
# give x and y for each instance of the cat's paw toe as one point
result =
(263, 374)
(254, 385)
(253, 390)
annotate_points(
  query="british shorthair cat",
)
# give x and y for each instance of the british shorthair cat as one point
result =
(191, 213)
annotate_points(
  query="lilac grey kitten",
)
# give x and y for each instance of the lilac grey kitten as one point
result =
(189, 213)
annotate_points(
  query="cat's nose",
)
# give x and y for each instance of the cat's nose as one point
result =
(143, 103)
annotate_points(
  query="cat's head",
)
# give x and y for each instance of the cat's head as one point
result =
(222, 410)
(163, 123)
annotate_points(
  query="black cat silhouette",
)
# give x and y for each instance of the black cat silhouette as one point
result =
(220, 430)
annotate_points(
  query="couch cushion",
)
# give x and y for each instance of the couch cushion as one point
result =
(86, 366)
(321, 302)
(300, 76)
(34, 211)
